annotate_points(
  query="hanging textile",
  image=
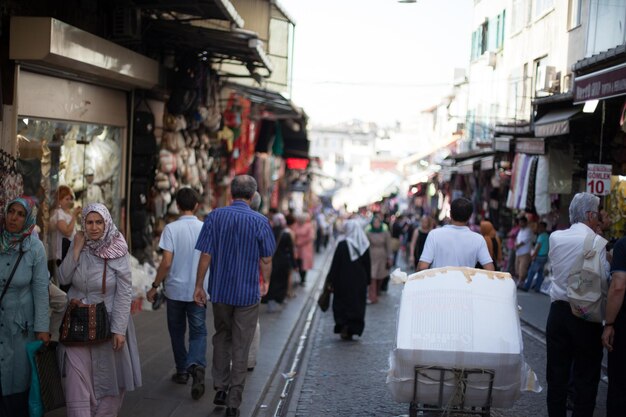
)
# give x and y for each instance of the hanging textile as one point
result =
(532, 177)
(542, 197)
(12, 182)
(523, 183)
(510, 198)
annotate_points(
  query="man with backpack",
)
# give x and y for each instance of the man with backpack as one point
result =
(573, 340)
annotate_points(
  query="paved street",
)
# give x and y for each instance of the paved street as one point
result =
(348, 378)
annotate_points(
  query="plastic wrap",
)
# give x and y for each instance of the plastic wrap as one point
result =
(459, 318)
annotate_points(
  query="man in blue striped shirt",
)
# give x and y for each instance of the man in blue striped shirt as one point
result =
(235, 242)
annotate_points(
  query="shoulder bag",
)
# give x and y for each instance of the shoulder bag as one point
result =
(586, 283)
(86, 324)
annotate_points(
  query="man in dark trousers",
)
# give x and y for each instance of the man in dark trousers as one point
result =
(574, 345)
(235, 242)
(614, 335)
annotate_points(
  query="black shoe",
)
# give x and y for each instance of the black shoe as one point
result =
(232, 412)
(197, 386)
(220, 398)
(251, 368)
(180, 378)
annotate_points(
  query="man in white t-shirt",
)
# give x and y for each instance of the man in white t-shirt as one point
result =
(178, 269)
(455, 244)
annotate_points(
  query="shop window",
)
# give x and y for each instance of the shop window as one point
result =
(85, 157)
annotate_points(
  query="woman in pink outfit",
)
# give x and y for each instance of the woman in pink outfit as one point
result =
(305, 236)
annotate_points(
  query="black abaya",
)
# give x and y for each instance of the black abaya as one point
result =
(282, 264)
(349, 280)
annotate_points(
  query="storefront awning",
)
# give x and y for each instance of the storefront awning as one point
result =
(555, 122)
(271, 101)
(237, 45)
(47, 43)
(203, 9)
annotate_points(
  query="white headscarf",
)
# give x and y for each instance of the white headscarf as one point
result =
(356, 239)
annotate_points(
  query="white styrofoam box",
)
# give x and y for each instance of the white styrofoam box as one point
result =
(458, 318)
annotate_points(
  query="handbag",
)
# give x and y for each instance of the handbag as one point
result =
(46, 391)
(324, 299)
(86, 324)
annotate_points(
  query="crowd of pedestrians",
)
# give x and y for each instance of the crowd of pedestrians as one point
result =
(238, 259)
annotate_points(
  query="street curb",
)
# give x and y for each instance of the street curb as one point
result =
(289, 347)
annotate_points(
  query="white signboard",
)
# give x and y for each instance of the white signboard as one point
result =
(599, 179)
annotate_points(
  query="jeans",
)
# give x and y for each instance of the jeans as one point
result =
(178, 314)
(536, 267)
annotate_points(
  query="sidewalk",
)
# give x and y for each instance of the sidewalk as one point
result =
(160, 397)
(534, 309)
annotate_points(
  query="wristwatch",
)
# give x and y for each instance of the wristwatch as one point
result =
(155, 285)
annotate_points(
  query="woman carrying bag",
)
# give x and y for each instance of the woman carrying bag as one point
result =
(349, 276)
(23, 304)
(98, 268)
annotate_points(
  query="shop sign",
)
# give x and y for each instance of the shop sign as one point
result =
(599, 179)
(610, 82)
(530, 146)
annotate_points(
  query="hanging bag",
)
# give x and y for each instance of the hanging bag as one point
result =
(46, 391)
(86, 324)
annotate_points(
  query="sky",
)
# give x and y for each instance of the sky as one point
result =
(376, 60)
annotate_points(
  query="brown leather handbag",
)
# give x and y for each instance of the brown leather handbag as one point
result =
(86, 324)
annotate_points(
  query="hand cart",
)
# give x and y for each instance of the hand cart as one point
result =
(456, 404)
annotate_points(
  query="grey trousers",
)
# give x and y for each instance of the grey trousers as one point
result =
(234, 331)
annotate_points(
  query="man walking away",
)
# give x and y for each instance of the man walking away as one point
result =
(234, 241)
(573, 344)
(539, 257)
(614, 335)
(178, 269)
(455, 244)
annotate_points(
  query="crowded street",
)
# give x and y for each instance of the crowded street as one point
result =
(331, 377)
(288, 208)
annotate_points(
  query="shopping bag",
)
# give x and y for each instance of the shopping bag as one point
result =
(46, 392)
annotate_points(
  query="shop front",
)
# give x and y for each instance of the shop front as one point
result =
(70, 115)
(600, 85)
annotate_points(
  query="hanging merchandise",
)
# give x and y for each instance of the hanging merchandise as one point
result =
(518, 193)
(278, 147)
(237, 117)
(543, 204)
(532, 177)
(12, 184)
